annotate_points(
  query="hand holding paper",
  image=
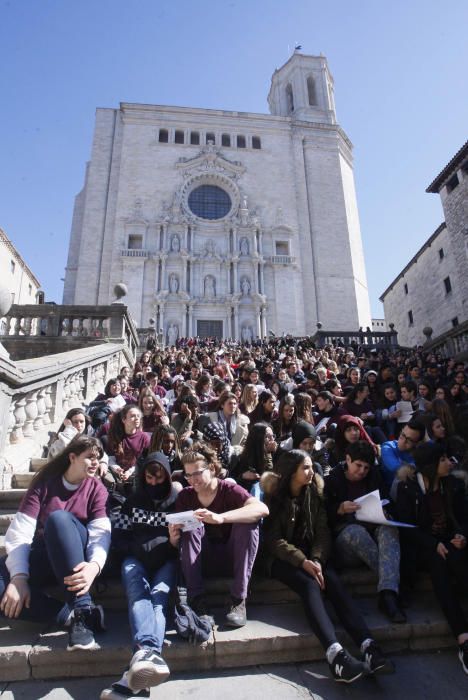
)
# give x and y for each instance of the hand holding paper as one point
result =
(187, 519)
(371, 511)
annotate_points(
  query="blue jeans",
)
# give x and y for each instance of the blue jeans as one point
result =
(51, 558)
(148, 598)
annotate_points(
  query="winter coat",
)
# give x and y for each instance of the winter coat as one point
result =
(278, 528)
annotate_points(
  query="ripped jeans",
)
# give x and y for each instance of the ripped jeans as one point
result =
(148, 597)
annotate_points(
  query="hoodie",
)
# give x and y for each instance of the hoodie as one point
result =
(140, 529)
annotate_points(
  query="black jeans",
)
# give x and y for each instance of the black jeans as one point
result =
(313, 600)
(50, 560)
(442, 571)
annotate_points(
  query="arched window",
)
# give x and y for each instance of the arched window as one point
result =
(256, 143)
(163, 136)
(225, 140)
(290, 97)
(194, 138)
(311, 92)
(210, 137)
(179, 137)
(241, 142)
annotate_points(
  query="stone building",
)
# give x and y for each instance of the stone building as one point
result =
(224, 223)
(15, 275)
(432, 290)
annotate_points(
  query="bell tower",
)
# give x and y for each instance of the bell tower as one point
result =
(303, 90)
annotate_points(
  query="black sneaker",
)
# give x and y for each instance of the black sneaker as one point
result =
(463, 655)
(389, 604)
(200, 607)
(375, 661)
(147, 668)
(345, 668)
(237, 615)
(80, 633)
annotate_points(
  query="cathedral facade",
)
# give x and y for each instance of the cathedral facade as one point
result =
(224, 223)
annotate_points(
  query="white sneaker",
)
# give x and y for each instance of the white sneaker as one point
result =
(147, 668)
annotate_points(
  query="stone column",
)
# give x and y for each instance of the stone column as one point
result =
(190, 322)
(236, 321)
(236, 282)
(258, 324)
(263, 322)
(163, 272)
(262, 278)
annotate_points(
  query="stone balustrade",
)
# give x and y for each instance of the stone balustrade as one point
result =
(281, 259)
(367, 339)
(453, 343)
(35, 395)
(57, 328)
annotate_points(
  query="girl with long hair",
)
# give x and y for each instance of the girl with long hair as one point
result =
(257, 455)
(249, 399)
(297, 542)
(60, 535)
(125, 442)
(282, 425)
(152, 410)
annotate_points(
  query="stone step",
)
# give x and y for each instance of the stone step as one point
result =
(22, 481)
(11, 498)
(37, 463)
(274, 634)
(6, 517)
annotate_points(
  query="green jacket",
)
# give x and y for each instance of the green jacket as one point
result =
(278, 527)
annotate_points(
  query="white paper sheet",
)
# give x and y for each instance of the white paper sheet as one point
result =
(371, 511)
(406, 408)
(186, 519)
(117, 403)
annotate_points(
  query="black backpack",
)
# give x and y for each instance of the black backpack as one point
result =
(189, 626)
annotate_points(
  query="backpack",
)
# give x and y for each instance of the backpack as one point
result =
(189, 626)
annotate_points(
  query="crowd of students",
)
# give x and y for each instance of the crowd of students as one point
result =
(269, 445)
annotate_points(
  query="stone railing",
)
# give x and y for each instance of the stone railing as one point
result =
(365, 339)
(34, 330)
(453, 343)
(36, 394)
(281, 259)
(134, 253)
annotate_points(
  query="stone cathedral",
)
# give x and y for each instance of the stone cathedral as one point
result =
(223, 223)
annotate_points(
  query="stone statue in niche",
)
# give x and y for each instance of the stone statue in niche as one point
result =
(172, 334)
(245, 286)
(175, 243)
(209, 251)
(173, 283)
(210, 287)
(246, 334)
(244, 246)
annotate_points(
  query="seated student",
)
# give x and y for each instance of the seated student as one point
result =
(297, 545)
(328, 413)
(140, 534)
(409, 392)
(249, 399)
(125, 442)
(388, 413)
(107, 403)
(165, 440)
(152, 410)
(60, 535)
(265, 409)
(256, 457)
(349, 430)
(235, 424)
(395, 453)
(430, 497)
(282, 425)
(376, 546)
(227, 543)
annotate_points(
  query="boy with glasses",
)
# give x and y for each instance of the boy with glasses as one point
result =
(395, 453)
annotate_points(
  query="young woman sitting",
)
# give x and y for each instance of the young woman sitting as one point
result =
(125, 442)
(297, 543)
(282, 425)
(152, 410)
(60, 535)
(256, 457)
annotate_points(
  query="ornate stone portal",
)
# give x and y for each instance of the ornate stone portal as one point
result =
(210, 267)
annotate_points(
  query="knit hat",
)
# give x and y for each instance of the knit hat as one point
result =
(301, 431)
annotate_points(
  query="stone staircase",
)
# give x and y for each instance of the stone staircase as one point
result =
(277, 631)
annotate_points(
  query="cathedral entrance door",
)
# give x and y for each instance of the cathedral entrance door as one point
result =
(209, 329)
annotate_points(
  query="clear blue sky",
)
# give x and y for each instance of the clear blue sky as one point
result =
(400, 72)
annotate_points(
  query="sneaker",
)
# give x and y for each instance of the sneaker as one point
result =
(389, 606)
(81, 633)
(121, 691)
(237, 615)
(97, 619)
(345, 668)
(375, 661)
(200, 607)
(147, 668)
(463, 655)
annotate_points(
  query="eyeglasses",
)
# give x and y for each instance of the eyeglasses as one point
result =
(407, 439)
(196, 474)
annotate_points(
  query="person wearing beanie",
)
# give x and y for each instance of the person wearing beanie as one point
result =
(150, 553)
(433, 499)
